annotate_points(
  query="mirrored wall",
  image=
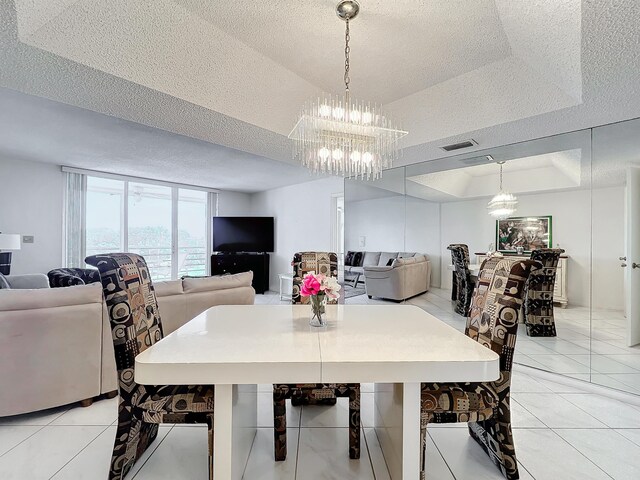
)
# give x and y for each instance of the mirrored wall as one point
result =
(579, 192)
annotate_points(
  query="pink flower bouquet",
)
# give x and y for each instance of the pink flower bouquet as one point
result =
(319, 287)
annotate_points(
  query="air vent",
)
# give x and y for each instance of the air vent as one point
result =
(457, 146)
(484, 159)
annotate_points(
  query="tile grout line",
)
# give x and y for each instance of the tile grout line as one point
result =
(384, 458)
(295, 471)
(82, 449)
(366, 443)
(21, 442)
(580, 453)
(34, 433)
(439, 453)
(154, 451)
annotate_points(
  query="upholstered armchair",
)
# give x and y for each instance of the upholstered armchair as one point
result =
(493, 322)
(538, 305)
(313, 393)
(67, 277)
(463, 283)
(135, 325)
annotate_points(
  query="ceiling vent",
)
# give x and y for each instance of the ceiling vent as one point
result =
(457, 146)
(483, 160)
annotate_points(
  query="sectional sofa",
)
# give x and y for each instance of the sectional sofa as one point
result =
(390, 275)
(55, 343)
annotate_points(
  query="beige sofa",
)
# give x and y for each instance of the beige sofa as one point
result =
(55, 344)
(397, 276)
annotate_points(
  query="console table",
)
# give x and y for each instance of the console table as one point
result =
(560, 286)
(258, 263)
(235, 347)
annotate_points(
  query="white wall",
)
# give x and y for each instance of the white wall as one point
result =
(468, 222)
(32, 202)
(423, 233)
(302, 219)
(232, 204)
(395, 224)
(380, 220)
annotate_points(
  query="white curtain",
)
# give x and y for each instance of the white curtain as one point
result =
(74, 219)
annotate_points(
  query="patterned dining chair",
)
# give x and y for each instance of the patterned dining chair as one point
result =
(463, 283)
(538, 304)
(313, 393)
(493, 322)
(135, 326)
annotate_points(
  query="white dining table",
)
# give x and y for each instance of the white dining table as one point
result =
(236, 347)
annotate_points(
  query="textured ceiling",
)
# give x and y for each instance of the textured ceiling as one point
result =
(35, 128)
(234, 73)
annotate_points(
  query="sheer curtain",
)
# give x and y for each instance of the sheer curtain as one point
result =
(74, 219)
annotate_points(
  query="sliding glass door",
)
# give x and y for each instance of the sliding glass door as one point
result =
(167, 225)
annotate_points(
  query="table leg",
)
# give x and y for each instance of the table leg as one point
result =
(234, 429)
(397, 425)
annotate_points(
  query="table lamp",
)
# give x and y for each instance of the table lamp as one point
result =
(8, 241)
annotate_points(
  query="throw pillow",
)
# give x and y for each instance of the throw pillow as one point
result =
(348, 259)
(390, 262)
(357, 259)
(4, 284)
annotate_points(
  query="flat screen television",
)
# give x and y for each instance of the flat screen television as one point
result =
(242, 234)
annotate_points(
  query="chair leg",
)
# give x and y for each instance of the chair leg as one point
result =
(210, 436)
(279, 425)
(495, 437)
(133, 437)
(354, 422)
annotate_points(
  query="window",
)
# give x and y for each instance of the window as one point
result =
(167, 225)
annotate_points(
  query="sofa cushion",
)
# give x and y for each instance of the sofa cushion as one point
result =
(26, 299)
(398, 262)
(168, 288)
(386, 256)
(3, 282)
(28, 281)
(406, 254)
(219, 282)
(420, 258)
(371, 258)
(349, 257)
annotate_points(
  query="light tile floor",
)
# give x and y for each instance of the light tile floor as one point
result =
(561, 432)
(583, 350)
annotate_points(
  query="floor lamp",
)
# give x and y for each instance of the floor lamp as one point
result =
(8, 241)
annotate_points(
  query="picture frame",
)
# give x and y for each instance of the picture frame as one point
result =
(530, 233)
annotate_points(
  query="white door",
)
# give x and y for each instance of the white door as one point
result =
(632, 280)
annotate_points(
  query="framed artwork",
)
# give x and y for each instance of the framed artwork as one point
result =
(530, 233)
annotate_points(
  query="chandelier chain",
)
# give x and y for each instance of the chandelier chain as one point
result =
(347, 51)
(501, 177)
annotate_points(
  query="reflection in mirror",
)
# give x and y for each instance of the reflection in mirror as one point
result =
(374, 236)
(615, 326)
(551, 179)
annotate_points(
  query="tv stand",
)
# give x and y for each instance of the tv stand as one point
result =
(258, 263)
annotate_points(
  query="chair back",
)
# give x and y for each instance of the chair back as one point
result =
(460, 260)
(497, 299)
(305, 262)
(132, 307)
(544, 279)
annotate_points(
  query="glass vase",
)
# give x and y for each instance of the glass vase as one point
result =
(317, 310)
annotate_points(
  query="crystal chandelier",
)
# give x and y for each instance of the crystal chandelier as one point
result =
(343, 136)
(504, 204)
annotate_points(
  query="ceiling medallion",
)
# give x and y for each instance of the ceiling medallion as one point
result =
(504, 204)
(339, 135)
